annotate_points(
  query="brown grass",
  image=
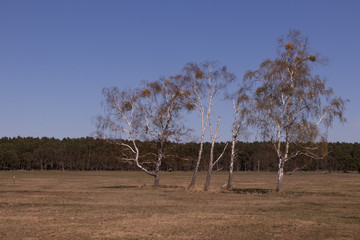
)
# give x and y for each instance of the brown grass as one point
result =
(122, 205)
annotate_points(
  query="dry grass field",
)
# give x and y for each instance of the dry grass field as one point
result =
(123, 205)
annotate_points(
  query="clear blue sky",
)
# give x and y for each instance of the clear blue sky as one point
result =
(56, 56)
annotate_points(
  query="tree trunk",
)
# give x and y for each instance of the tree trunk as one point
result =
(193, 180)
(280, 176)
(156, 181)
(211, 165)
(231, 167)
(228, 185)
(208, 178)
(158, 164)
(157, 174)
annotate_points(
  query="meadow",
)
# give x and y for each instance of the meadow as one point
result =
(123, 205)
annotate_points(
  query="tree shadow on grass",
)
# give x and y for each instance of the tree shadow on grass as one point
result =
(172, 186)
(250, 190)
(143, 187)
(304, 193)
(286, 193)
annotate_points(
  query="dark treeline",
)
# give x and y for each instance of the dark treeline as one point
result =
(84, 154)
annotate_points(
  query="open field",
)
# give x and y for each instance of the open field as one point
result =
(122, 205)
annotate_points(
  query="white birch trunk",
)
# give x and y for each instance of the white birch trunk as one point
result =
(211, 165)
(157, 175)
(193, 179)
(231, 166)
(211, 160)
(158, 164)
(280, 175)
(235, 131)
(203, 129)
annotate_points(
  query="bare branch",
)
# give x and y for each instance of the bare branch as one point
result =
(221, 154)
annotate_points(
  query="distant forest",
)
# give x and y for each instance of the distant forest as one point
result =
(89, 154)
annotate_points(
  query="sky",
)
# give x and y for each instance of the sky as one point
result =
(57, 56)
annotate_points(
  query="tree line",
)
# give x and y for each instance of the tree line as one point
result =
(90, 154)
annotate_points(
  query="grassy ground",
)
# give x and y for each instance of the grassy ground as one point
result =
(122, 205)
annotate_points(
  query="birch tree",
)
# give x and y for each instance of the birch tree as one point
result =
(206, 81)
(290, 105)
(121, 122)
(151, 114)
(239, 100)
(163, 102)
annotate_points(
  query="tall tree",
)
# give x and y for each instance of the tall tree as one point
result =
(162, 105)
(239, 99)
(122, 124)
(289, 103)
(206, 81)
(151, 113)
